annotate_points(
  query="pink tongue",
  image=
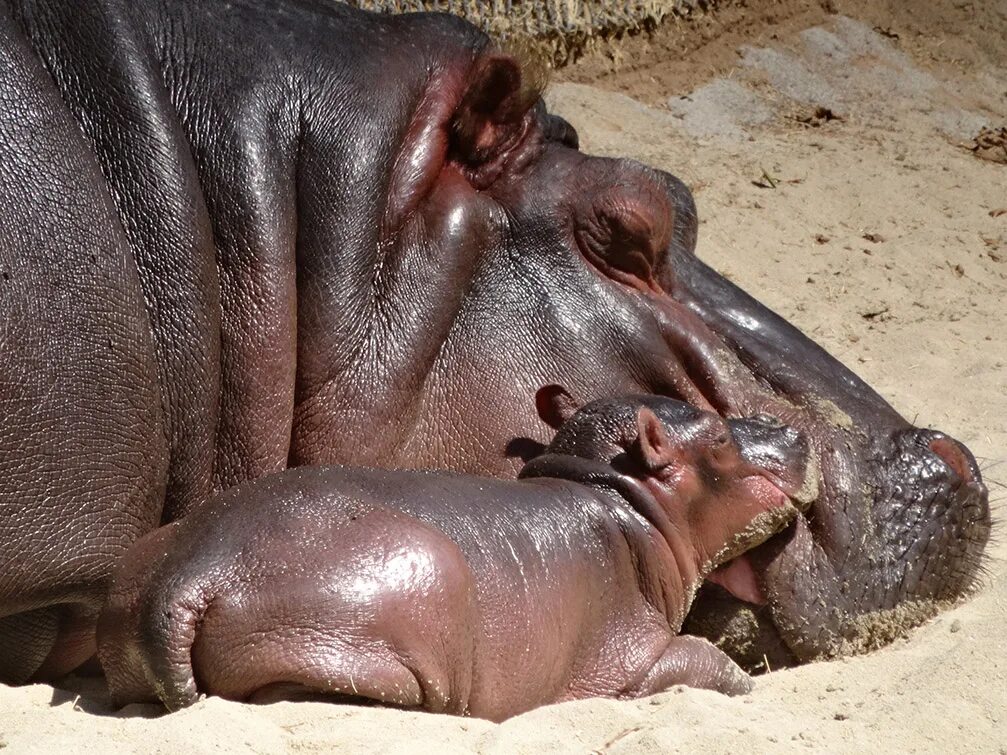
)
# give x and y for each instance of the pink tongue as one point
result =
(738, 577)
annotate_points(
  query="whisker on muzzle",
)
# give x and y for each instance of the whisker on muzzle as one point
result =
(986, 464)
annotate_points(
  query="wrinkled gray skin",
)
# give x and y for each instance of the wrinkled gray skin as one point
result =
(454, 593)
(237, 237)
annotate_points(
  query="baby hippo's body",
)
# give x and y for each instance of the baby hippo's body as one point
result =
(455, 593)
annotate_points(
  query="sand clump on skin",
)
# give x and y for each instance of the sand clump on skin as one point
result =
(879, 628)
(896, 168)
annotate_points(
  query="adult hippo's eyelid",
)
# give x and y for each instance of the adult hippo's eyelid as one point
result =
(625, 227)
(609, 246)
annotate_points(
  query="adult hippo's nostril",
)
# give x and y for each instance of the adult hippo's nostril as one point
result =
(943, 460)
(768, 420)
(958, 458)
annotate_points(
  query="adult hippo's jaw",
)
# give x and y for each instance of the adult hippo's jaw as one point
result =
(902, 518)
(581, 270)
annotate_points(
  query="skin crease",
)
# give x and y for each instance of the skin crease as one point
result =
(453, 593)
(293, 233)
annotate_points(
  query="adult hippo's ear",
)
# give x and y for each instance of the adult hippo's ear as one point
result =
(555, 405)
(653, 447)
(494, 114)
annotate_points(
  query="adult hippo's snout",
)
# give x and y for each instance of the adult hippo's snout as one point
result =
(901, 518)
(889, 540)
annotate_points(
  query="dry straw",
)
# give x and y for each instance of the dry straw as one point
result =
(548, 18)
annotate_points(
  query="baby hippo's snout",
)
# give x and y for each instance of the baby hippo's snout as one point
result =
(780, 453)
(754, 446)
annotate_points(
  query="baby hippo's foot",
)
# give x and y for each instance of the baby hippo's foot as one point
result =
(694, 662)
(267, 601)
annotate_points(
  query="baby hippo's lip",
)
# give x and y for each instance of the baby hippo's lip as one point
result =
(730, 567)
(777, 510)
(800, 492)
(738, 577)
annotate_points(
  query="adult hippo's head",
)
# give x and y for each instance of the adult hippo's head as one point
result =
(507, 260)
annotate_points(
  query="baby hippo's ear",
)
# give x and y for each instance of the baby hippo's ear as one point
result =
(555, 406)
(653, 445)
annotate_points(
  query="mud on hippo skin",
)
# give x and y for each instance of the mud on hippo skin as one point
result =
(296, 233)
(460, 594)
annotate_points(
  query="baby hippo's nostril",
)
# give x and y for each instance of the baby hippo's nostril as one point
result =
(779, 453)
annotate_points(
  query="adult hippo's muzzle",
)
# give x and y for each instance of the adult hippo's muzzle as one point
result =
(902, 516)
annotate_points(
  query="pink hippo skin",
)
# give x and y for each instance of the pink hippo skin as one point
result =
(237, 237)
(459, 594)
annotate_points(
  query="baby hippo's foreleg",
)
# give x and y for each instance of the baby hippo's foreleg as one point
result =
(354, 602)
(694, 662)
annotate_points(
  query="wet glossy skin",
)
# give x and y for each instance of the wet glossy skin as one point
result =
(247, 236)
(454, 593)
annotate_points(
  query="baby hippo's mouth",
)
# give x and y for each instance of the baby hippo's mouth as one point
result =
(783, 476)
(778, 512)
(736, 573)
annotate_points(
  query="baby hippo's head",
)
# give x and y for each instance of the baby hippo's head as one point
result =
(716, 487)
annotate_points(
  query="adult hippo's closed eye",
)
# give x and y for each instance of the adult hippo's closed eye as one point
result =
(244, 236)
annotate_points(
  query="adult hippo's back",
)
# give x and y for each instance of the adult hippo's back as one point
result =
(236, 237)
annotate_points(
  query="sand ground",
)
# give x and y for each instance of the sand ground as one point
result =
(828, 152)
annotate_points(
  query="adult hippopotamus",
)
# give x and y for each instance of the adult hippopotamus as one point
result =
(243, 236)
(461, 594)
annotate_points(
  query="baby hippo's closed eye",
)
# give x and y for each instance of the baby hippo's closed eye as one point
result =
(454, 593)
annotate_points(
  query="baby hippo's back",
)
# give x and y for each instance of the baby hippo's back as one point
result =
(454, 593)
(460, 594)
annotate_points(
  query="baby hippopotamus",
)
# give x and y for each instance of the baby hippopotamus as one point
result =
(459, 594)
